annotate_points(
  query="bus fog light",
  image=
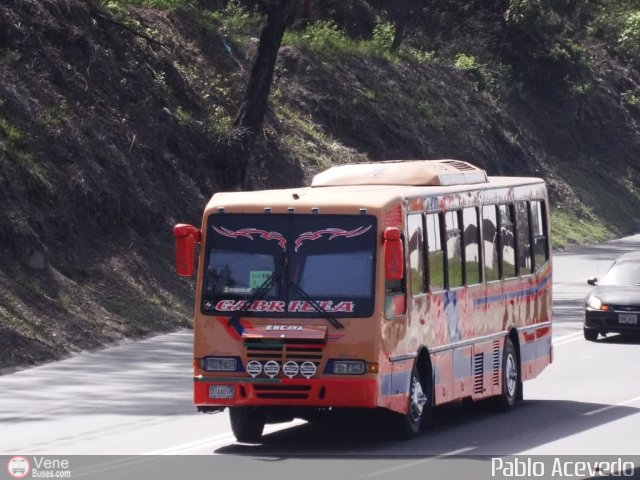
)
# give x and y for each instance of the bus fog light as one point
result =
(271, 368)
(290, 369)
(348, 367)
(254, 368)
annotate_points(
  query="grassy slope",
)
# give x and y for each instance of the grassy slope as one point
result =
(107, 138)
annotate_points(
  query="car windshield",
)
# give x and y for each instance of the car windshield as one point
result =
(622, 273)
(289, 265)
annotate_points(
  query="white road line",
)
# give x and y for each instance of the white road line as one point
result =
(571, 337)
(609, 407)
(417, 462)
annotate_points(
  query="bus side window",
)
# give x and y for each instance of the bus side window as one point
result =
(416, 254)
(524, 239)
(538, 232)
(490, 243)
(436, 252)
(471, 245)
(454, 249)
(507, 242)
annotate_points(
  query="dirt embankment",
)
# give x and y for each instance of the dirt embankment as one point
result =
(108, 134)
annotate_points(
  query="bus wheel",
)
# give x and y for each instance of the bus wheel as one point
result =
(419, 408)
(247, 423)
(510, 378)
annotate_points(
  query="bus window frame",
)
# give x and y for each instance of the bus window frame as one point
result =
(531, 271)
(458, 212)
(440, 215)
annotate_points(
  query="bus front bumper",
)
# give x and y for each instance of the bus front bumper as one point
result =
(360, 393)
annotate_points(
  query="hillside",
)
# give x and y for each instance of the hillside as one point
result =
(111, 119)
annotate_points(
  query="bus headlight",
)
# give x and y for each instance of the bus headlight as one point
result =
(348, 367)
(220, 364)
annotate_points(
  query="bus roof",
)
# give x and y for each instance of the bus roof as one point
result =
(344, 187)
(402, 172)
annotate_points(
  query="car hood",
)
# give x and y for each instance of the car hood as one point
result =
(617, 295)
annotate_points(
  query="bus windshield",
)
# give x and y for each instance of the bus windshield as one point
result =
(289, 265)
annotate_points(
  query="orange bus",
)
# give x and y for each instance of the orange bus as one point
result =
(398, 285)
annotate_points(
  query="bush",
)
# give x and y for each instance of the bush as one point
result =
(479, 72)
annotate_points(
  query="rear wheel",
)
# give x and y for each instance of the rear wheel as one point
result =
(247, 423)
(590, 334)
(419, 408)
(511, 382)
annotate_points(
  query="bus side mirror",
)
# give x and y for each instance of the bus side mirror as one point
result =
(393, 254)
(186, 238)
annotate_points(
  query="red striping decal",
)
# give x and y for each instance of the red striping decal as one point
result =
(334, 232)
(249, 232)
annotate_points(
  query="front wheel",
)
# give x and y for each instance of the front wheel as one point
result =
(419, 408)
(247, 423)
(511, 382)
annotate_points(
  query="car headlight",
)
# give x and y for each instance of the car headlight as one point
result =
(594, 303)
(220, 364)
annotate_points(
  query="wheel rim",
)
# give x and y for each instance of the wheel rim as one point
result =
(418, 400)
(511, 375)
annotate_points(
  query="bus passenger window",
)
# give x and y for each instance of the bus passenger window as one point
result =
(454, 249)
(524, 240)
(490, 243)
(416, 254)
(471, 245)
(538, 227)
(436, 252)
(507, 241)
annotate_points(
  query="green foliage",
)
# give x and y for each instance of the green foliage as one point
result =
(53, 117)
(12, 143)
(630, 98)
(122, 5)
(323, 36)
(383, 34)
(568, 229)
(234, 19)
(11, 57)
(480, 73)
(630, 36)
(219, 121)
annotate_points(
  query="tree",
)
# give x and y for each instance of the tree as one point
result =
(247, 124)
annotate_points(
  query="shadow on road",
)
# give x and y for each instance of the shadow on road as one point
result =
(474, 429)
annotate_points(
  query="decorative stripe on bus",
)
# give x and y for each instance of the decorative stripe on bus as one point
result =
(520, 293)
(397, 382)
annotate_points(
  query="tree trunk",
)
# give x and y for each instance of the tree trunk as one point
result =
(248, 121)
(402, 14)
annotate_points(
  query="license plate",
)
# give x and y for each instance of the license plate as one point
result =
(628, 318)
(220, 391)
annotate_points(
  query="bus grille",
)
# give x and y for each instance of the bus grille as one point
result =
(287, 350)
(283, 392)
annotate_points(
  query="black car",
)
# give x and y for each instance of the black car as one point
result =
(614, 304)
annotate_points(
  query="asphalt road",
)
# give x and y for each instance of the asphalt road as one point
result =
(135, 398)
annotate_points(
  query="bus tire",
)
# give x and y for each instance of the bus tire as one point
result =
(511, 381)
(418, 409)
(247, 423)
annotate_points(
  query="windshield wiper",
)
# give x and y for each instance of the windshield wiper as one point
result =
(260, 292)
(332, 320)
